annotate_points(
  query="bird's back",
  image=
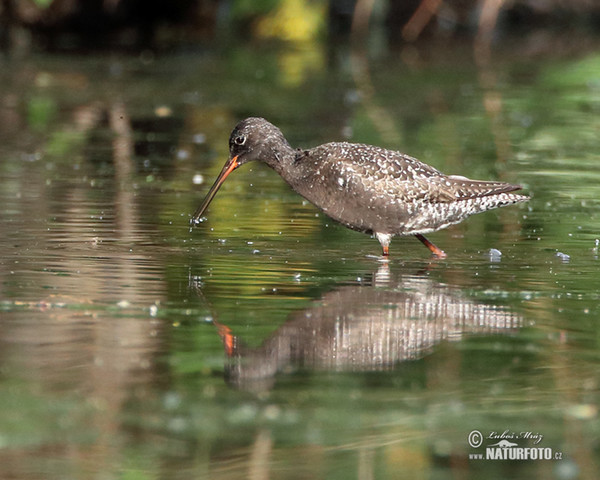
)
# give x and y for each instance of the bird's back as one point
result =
(373, 189)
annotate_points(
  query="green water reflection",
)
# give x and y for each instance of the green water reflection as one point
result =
(268, 342)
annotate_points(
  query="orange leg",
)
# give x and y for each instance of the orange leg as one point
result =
(384, 240)
(432, 248)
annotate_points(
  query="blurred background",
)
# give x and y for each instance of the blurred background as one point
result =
(71, 24)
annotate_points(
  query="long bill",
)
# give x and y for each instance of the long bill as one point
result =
(229, 167)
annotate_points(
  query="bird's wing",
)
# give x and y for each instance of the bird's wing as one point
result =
(444, 188)
(367, 161)
(465, 188)
(395, 174)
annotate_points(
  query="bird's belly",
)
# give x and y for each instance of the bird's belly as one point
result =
(362, 211)
(374, 211)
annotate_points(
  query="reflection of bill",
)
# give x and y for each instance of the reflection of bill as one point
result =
(365, 328)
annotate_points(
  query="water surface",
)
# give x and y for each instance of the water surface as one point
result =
(270, 342)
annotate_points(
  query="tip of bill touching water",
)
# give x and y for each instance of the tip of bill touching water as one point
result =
(196, 220)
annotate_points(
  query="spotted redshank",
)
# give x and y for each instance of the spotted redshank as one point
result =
(366, 188)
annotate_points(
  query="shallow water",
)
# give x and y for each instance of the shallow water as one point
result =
(270, 342)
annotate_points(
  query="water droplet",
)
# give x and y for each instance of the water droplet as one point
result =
(198, 179)
(495, 255)
(566, 470)
(177, 424)
(171, 400)
(199, 138)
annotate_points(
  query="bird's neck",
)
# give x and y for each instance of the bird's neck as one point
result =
(280, 157)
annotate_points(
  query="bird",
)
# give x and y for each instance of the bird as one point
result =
(366, 188)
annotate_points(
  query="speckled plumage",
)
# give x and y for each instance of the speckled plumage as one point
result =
(366, 188)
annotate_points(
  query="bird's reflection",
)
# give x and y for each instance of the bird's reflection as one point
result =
(364, 328)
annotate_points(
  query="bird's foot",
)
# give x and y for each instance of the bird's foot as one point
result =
(435, 251)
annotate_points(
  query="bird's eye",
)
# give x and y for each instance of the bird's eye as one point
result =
(240, 139)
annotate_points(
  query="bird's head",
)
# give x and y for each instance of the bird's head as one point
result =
(255, 139)
(252, 139)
